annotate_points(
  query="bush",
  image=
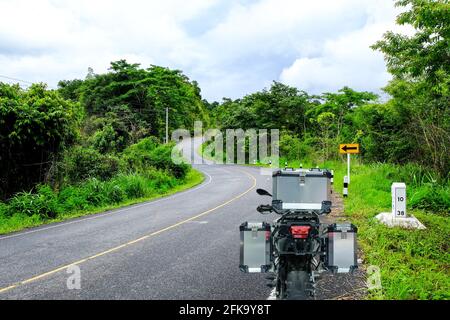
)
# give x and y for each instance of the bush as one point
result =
(108, 140)
(3, 209)
(115, 193)
(133, 185)
(147, 153)
(292, 148)
(432, 198)
(85, 163)
(159, 180)
(73, 198)
(43, 203)
(95, 191)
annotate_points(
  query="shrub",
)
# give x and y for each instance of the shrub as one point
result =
(159, 180)
(292, 148)
(115, 193)
(432, 198)
(3, 209)
(108, 140)
(43, 203)
(147, 153)
(73, 198)
(84, 163)
(95, 191)
(133, 185)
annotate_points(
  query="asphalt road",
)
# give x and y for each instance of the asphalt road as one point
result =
(185, 246)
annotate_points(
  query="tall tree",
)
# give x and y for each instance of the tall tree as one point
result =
(420, 65)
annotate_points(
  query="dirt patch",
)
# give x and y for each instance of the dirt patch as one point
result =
(341, 286)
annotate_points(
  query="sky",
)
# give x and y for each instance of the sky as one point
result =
(230, 47)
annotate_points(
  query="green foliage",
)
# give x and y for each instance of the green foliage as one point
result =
(431, 197)
(420, 87)
(135, 186)
(42, 203)
(146, 93)
(36, 125)
(107, 140)
(291, 147)
(425, 54)
(84, 163)
(148, 153)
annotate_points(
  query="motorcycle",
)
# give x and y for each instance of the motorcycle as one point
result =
(297, 247)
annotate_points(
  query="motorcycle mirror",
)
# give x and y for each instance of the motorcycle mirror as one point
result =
(263, 192)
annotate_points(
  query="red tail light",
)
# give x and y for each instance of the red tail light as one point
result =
(300, 232)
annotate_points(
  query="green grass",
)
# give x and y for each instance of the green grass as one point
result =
(94, 197)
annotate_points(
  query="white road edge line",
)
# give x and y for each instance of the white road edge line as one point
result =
(96, 216)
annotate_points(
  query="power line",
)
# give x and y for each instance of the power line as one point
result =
(15, 79)
(23, 81)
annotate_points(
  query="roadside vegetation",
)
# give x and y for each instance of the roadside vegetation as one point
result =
(93, 144)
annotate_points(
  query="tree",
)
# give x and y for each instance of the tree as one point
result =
(36, 125)
(146, 93)
(420, 88)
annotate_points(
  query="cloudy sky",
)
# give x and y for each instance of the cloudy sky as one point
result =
(231, 47)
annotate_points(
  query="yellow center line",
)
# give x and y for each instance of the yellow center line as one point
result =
(43, 275)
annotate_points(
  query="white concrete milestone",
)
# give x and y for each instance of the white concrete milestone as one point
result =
(398, 217)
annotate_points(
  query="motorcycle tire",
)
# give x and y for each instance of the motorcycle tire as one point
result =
(298, 286)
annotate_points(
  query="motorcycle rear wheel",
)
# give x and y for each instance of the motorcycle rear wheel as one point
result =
(298, 286)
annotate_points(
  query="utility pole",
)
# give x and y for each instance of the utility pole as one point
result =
(167, 125)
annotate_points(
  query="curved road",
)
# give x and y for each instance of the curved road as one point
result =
(184, 246)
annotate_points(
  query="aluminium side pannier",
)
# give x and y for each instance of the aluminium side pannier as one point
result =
(255, 253)
(342, 248)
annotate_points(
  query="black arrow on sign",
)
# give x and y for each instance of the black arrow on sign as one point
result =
(346, 148)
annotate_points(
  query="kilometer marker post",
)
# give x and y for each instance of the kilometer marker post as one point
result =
(345, 187)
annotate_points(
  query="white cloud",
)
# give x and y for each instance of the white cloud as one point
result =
(348, 59)
(237, 46)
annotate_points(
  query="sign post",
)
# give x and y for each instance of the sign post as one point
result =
(348, 149)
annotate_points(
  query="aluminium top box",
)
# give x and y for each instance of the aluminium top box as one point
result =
(302, 189)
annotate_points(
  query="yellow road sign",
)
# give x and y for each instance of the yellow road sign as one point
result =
(349, 148)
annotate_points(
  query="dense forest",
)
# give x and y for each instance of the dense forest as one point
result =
(99, 140)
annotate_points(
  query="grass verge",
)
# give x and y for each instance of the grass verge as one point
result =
(18, 222)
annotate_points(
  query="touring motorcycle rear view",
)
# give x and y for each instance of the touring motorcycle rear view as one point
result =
(296, 247)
